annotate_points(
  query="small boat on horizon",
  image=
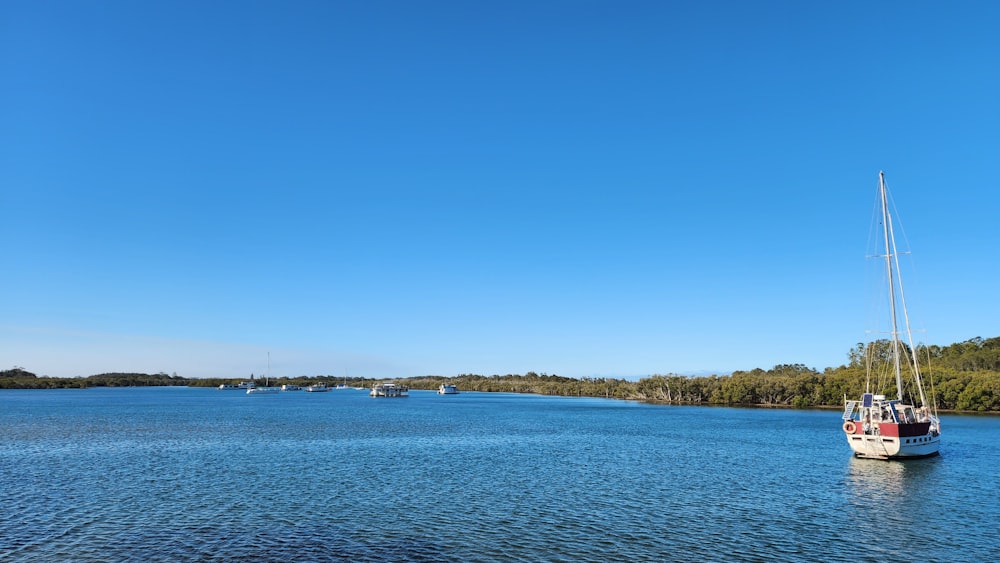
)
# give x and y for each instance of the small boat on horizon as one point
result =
(241, 386)
(290, 387)
(266, 389)
(341, 386)
(317, 388)
(389, 390)
(447, 389)
(904, 427)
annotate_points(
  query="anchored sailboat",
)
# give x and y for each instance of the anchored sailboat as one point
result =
(266, 389)
(906, 426)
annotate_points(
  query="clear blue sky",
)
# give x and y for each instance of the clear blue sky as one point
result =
(394, 189)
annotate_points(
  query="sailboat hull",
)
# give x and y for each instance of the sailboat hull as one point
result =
(895, 441)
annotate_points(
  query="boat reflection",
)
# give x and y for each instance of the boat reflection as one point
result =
(893, 485)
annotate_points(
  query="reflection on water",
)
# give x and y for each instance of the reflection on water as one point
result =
(873, 480)
(916, 507)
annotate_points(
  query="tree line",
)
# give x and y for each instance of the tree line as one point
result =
(20, 378)
(964, 377)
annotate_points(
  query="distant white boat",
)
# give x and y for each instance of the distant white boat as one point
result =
(446, 389)
(317, 388)
(289, 387)
(389, 390)
(229, 387)
(344, 384)
(266, 389)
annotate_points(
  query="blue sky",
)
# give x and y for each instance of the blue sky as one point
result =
(394, 189)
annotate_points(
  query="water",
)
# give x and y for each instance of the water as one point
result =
(179, 474)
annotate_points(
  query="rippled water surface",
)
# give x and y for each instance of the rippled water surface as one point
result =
(179, 474)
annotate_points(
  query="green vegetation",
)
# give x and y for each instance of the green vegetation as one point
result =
(19, 378)
(964, 377)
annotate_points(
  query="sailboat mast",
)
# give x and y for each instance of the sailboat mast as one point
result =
(889, 248)
(912, 356)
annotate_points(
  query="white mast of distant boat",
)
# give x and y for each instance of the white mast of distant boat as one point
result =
(267, 389)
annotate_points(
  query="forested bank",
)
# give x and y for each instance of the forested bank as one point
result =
(20, 378)
(963, 377)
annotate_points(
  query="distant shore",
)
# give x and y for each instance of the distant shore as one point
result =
(787, 386)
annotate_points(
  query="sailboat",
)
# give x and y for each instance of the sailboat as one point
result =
(906, 426)
(266, 389)
(344, 384)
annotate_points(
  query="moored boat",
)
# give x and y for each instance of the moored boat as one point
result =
(343, 385)
(266, 389)
(906, 426)
(317, 388)
(447, 389)
(290, 387)
(389, 390)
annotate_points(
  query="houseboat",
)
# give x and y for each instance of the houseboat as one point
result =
(446, 389)
(389, 390)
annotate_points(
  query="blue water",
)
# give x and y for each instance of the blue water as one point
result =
(179, 474)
